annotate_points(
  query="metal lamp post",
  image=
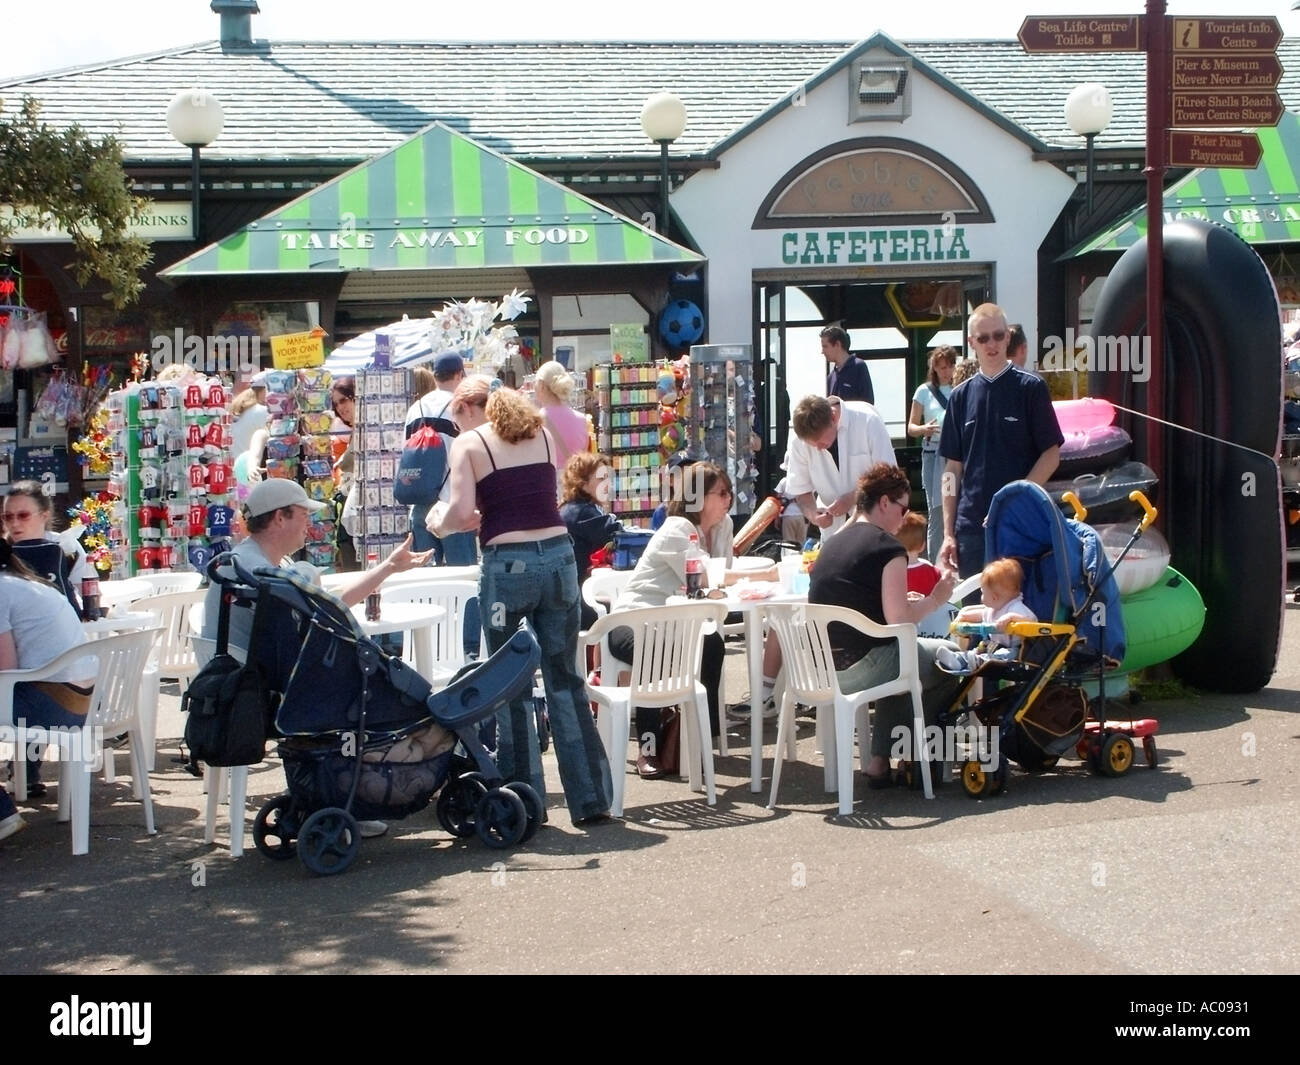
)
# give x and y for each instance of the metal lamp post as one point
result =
(195, 118)
(1087, 112)
(663, 118)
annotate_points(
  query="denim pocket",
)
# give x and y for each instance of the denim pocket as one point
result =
(507, 592)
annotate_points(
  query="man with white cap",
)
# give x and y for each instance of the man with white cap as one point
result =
(277, 514)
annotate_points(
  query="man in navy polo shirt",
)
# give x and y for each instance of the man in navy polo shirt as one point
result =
(849, 377)
(1000, 427)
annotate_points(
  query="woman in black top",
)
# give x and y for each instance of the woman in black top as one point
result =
(585, 492)
(864, 568)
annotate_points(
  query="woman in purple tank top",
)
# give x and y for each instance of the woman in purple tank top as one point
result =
(503, 485)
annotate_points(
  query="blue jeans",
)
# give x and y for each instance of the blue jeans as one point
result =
(35, 707)
(932, 467)
(539, 581)
(459, 549)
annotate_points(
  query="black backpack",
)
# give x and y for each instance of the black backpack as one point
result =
(230, 705)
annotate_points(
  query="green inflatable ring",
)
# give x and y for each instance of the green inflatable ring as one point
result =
(1161, 621)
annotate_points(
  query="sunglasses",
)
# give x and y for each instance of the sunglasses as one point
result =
(17, 515)
(997, 336)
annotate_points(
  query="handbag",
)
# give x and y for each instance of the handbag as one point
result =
(670, 741)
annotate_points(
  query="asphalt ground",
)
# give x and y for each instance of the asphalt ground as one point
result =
(1187, 869)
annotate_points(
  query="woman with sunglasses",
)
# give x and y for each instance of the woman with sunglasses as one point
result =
(699, 507)
(864, 567)
(59, 559)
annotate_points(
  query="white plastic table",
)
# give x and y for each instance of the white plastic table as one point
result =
(753, 611)
(123, 592)
(416, 620)
(123, 622)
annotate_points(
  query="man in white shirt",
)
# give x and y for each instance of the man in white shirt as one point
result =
(832, 444)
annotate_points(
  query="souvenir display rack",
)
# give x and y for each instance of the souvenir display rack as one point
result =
(721, 417)
(628, 432)
(383, 397)
(298, 448)
(172, 475)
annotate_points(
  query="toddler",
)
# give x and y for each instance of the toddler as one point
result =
(922, 576)
(1000, 590)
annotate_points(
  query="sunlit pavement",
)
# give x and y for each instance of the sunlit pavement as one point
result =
(1189, 868)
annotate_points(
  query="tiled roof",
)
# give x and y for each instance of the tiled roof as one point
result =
(348, 101)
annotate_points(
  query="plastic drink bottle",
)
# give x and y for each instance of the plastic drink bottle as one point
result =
(695, 571)
(373, 598)
(90, 599)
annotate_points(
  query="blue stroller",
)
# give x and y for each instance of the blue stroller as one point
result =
(1034, 707)
(362, 735)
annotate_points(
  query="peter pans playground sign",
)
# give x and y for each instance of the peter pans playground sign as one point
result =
(850, 247)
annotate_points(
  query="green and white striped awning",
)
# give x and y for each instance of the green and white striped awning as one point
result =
(439, 201)
(1261, 205)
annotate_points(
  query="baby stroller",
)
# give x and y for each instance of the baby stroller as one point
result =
(362, 735)
(1034, 709)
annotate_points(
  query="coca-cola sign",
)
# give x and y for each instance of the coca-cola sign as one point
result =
(116, 338)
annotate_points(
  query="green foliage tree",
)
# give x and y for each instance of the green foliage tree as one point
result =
(64, 178)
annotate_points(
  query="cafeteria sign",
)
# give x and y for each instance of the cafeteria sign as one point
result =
(298, 351)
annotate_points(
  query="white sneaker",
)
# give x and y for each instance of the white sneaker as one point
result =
(12, 825)
(371, 829)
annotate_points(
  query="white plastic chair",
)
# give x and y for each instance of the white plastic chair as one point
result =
(219, 781)
(114, 711)
(599, 591)
(172, 658)
(669, 644)
(448, 634)
(811, 679)
(164, 582)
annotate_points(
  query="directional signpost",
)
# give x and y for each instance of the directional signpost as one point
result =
(1203, 73)
(1194, 148)
(1214, 108)
(1081, 33)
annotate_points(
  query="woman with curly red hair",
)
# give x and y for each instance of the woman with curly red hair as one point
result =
(503, 485)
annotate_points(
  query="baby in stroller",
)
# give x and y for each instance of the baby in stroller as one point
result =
(1034, 710)
(1000, 589)
(362, 735)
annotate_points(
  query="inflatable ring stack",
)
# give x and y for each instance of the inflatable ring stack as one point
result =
(1163, 611)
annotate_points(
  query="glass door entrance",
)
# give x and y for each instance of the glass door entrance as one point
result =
(891, 324)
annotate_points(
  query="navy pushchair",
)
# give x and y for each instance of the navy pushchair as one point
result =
(363, 736)
(1035, 706)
